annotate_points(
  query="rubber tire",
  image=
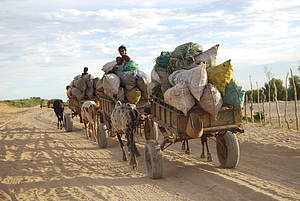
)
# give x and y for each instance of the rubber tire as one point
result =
(228, 150)
(154, 160)
(68, 122)
(102, 141)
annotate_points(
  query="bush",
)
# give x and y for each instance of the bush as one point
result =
(23, 102)
(257, 114)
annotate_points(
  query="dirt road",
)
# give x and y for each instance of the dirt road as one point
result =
(40, 162)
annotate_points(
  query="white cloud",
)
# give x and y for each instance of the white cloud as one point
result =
(65, 36)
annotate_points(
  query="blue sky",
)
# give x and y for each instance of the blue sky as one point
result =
(43, 45)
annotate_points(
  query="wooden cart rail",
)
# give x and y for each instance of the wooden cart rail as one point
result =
(229, 118)
(105, 105)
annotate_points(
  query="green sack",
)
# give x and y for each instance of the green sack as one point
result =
(130, 66)
(184, 53)
(234, 95)
(163, 59)
(187, 51)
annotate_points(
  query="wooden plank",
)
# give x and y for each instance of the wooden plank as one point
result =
(217, 128)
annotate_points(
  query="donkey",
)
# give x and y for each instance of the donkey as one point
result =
(125, 120)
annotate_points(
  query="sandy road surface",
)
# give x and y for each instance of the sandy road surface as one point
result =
(40, 162)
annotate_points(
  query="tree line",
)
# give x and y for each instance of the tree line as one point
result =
(283, 91)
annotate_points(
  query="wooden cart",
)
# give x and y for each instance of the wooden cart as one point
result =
(173, 125)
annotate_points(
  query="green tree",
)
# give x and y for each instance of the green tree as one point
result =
(279, 86)
(291, 88)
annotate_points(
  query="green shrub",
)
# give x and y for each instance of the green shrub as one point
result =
(257, 114)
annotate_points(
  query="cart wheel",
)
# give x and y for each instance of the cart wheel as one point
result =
(154, 160)
(151, 130)
(102, 141)
(228, 150)
(68, 122)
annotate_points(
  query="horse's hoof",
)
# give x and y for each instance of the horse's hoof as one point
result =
(187, 152)
(202, 155)
(209, 158)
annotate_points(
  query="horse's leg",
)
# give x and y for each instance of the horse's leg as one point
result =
(188, 150)
(209, 158)
(202, 142)
(96, 132)
(122, 147)
(133, 150)
(86, 130)
(61, 122)
(183, 145)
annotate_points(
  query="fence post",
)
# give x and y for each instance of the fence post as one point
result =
(286, 100)
(295, 97)
(276, 101)
(263, 106)
(269, 93)
(258, 102)
(251, 101)
(245, 107)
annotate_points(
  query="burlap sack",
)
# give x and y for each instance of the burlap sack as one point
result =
(154, 76)
(209, 56)
(111, 84)
(179, 97)
(195, 78)
(142, 83)
(109, 66)
(128, 79)
(77, 93)
(133, 96)
(89, 92)
(163, 77)
(211, 100)
(80, 84)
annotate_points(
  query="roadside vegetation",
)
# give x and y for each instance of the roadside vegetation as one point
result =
(29, 102)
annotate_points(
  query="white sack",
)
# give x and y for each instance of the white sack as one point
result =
(111, 84)
(209, 56)
(151, 86)
(154, 76)
(77, 93)
(109, 66)
(80, 84)
(121, 94)
(195, 78)
(163, 77)
(99, 85)
(95, 81)
(89, 92)
(128, 79)
(88, 78)
(211, 100)
(180, 97)
(142, 83)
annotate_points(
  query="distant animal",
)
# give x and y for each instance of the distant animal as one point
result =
(89, 118)
(124, 120)
(58, 106)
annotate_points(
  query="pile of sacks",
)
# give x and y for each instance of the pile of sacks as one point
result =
(189, 76)
(83, 86)
(125, 84)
